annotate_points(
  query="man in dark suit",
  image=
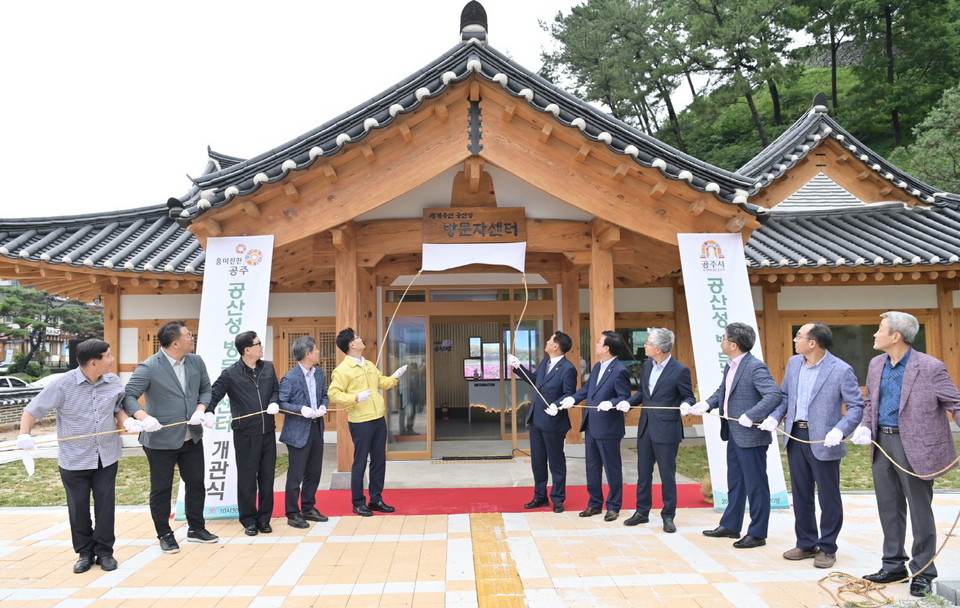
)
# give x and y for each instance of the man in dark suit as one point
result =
(555, 379)
(815, 388)
(303, 393)
(176, 389)
(908, 396)
(602, 424)
(748, 394)
(664, 382)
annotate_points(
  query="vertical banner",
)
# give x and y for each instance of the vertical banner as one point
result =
(718, 292)
(236, 290)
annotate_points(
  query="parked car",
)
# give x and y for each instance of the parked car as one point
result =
(12, 382)
(42, 382)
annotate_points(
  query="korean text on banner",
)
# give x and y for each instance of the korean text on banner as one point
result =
(236, 290)
(718, 292)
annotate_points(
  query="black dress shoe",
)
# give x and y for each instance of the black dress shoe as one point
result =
(721, 532)
(668, 526)
(201, 535)
(83, 564)
(558, 507)
(611, 515)
(314, 515)
(380, 506)
(887, 576)
(297, 521)
(363, 511)
(266, 528)
(749, 542)
(251, 530)
(536, 503)
(107, 563)
(636, 519)
(921, 586)
(590, 512)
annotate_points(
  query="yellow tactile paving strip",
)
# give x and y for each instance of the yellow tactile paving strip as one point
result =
(540, 560)
(498, 583)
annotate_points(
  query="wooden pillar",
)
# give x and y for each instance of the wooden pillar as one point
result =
(772, 331)
(570, 324)
(367, 303)
(601, 279)
(347, 291)
(110, 300)
(948, 327)
(683, 347)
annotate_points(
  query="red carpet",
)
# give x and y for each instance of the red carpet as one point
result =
(432, 501)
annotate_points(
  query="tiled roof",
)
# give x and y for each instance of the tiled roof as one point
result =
(232, 177)
(139, 240)
(822, 193)
(18, 396)
(805, 135)
(874, 236)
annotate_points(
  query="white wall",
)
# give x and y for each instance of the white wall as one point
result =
(859, 297)
(643, 299)
(151, 307)
(302, 305)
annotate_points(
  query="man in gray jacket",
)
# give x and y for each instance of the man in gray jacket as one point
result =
(176, 389)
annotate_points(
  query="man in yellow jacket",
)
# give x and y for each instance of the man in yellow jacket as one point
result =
(356, 384)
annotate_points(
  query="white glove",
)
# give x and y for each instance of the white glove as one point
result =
(25, 442)
(308, 412)
(196, 417)
(552, 410)
(566, 403)
(273, 408)
(862, 436)
(685, 409)
(605, 406)
(513, 361)
(132, 425)
(321, 411)
(623, 406)
(150, 424)
(770, 424)
(833, 438)
(744, 420)
(209, 420)
(400, 372)
(700, 408)
(363, 396)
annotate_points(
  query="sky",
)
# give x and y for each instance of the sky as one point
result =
(110, 104)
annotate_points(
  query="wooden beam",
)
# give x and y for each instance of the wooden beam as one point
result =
(509, 111)
(657, 190)
(602, 315)
(331, 173)
(210, 226)
(474, 91)
(606, 235)
(948, 327)
(250, 208)
(442, 112)
(696, 207)
(110, 300)
(570, 324)
(405, 133)
(773, 332)
(347, 308)
(620, 172)
(292, 193)
(545, 132)
(367, 152)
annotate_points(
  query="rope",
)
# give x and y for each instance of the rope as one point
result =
(383, 341)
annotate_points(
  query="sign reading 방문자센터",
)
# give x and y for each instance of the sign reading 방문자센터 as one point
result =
(474, 225)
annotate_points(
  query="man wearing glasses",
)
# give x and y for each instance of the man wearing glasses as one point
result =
(251, 383)
(815, 387)
(356, 384)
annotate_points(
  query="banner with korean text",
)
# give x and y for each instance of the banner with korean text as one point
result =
(718, 292)
(236, 290)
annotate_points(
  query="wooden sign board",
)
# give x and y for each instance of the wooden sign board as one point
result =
(475, 225)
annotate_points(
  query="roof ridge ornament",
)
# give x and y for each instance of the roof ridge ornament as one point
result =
(473, 23)
(820, 102)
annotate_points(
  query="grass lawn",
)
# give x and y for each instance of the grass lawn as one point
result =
(854, 469)
(45, 490)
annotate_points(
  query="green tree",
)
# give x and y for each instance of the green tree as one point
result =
(829, 22)
(935, 155)
(26, 314)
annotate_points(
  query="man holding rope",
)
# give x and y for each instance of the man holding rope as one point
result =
(908, 396)
(815, 388)
(88, 401)
(555, 379)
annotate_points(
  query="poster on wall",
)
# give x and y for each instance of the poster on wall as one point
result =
(718, 292)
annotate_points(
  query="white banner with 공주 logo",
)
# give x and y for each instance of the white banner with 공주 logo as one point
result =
(236, 290)
(718, 292)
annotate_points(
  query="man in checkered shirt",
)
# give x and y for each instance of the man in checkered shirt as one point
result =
(87, 400)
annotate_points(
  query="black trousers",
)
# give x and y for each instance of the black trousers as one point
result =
(303, 474)
(189, 459)
(102, 481)
(546, 448)
(805, 473)
(665, 456)
(256, 469)
(369, 441)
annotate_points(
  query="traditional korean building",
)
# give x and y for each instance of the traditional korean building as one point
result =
(833, 232)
